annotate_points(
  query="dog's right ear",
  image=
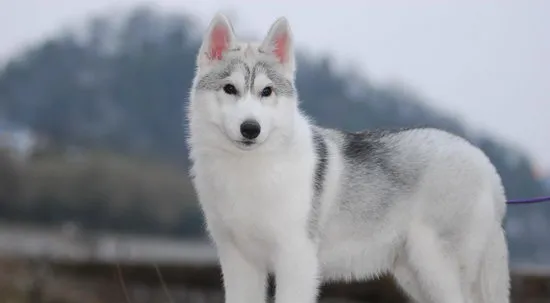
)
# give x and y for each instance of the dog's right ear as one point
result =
(218, 39)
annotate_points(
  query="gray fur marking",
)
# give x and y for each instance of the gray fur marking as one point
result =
(373, 150)
(319, 179)
(213, 81)
(281, 85)
(375, 163)
(322, 162)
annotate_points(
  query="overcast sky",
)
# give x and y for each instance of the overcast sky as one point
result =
(487, 61)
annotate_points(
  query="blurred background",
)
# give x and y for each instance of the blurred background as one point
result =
(95, 201)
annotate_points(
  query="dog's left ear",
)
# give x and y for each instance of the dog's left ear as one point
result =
(278, 42)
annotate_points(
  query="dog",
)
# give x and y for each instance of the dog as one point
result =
(284, 196)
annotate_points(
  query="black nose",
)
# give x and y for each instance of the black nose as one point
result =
(250, 129)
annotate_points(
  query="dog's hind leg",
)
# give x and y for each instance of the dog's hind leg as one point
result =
(493, 285)
(435, 267)
(407, 280)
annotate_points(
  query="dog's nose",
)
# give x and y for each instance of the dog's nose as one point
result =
(250, 129)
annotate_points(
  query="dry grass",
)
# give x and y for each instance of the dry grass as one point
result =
(35, 282)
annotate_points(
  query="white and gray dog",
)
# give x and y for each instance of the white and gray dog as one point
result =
(308, 204)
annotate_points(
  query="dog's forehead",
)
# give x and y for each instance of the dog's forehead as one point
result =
(249, 67)
(245, 55)
(250, 49)
(247, 49)
(246, 61)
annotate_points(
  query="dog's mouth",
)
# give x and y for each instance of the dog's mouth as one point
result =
(246, 144)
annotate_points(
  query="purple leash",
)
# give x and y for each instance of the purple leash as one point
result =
(529, 201)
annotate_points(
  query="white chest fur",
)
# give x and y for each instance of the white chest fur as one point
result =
(256, 201)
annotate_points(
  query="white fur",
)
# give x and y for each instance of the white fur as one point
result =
(441, 239)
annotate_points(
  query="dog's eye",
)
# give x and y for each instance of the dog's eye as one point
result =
(230, 89)
(267, 91)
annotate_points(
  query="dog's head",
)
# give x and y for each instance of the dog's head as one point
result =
(245, 90)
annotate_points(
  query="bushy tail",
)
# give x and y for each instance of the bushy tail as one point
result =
(494, 279)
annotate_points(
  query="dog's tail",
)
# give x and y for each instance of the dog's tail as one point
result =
(494, 278)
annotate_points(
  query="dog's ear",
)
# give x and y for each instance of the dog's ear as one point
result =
(278, 42)
(218, 39)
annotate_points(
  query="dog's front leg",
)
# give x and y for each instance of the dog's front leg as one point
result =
(244, 281)
(296, 272)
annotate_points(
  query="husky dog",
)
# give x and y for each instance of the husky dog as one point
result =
(283, 196)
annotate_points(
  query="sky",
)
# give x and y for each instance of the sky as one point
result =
(488, 62)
